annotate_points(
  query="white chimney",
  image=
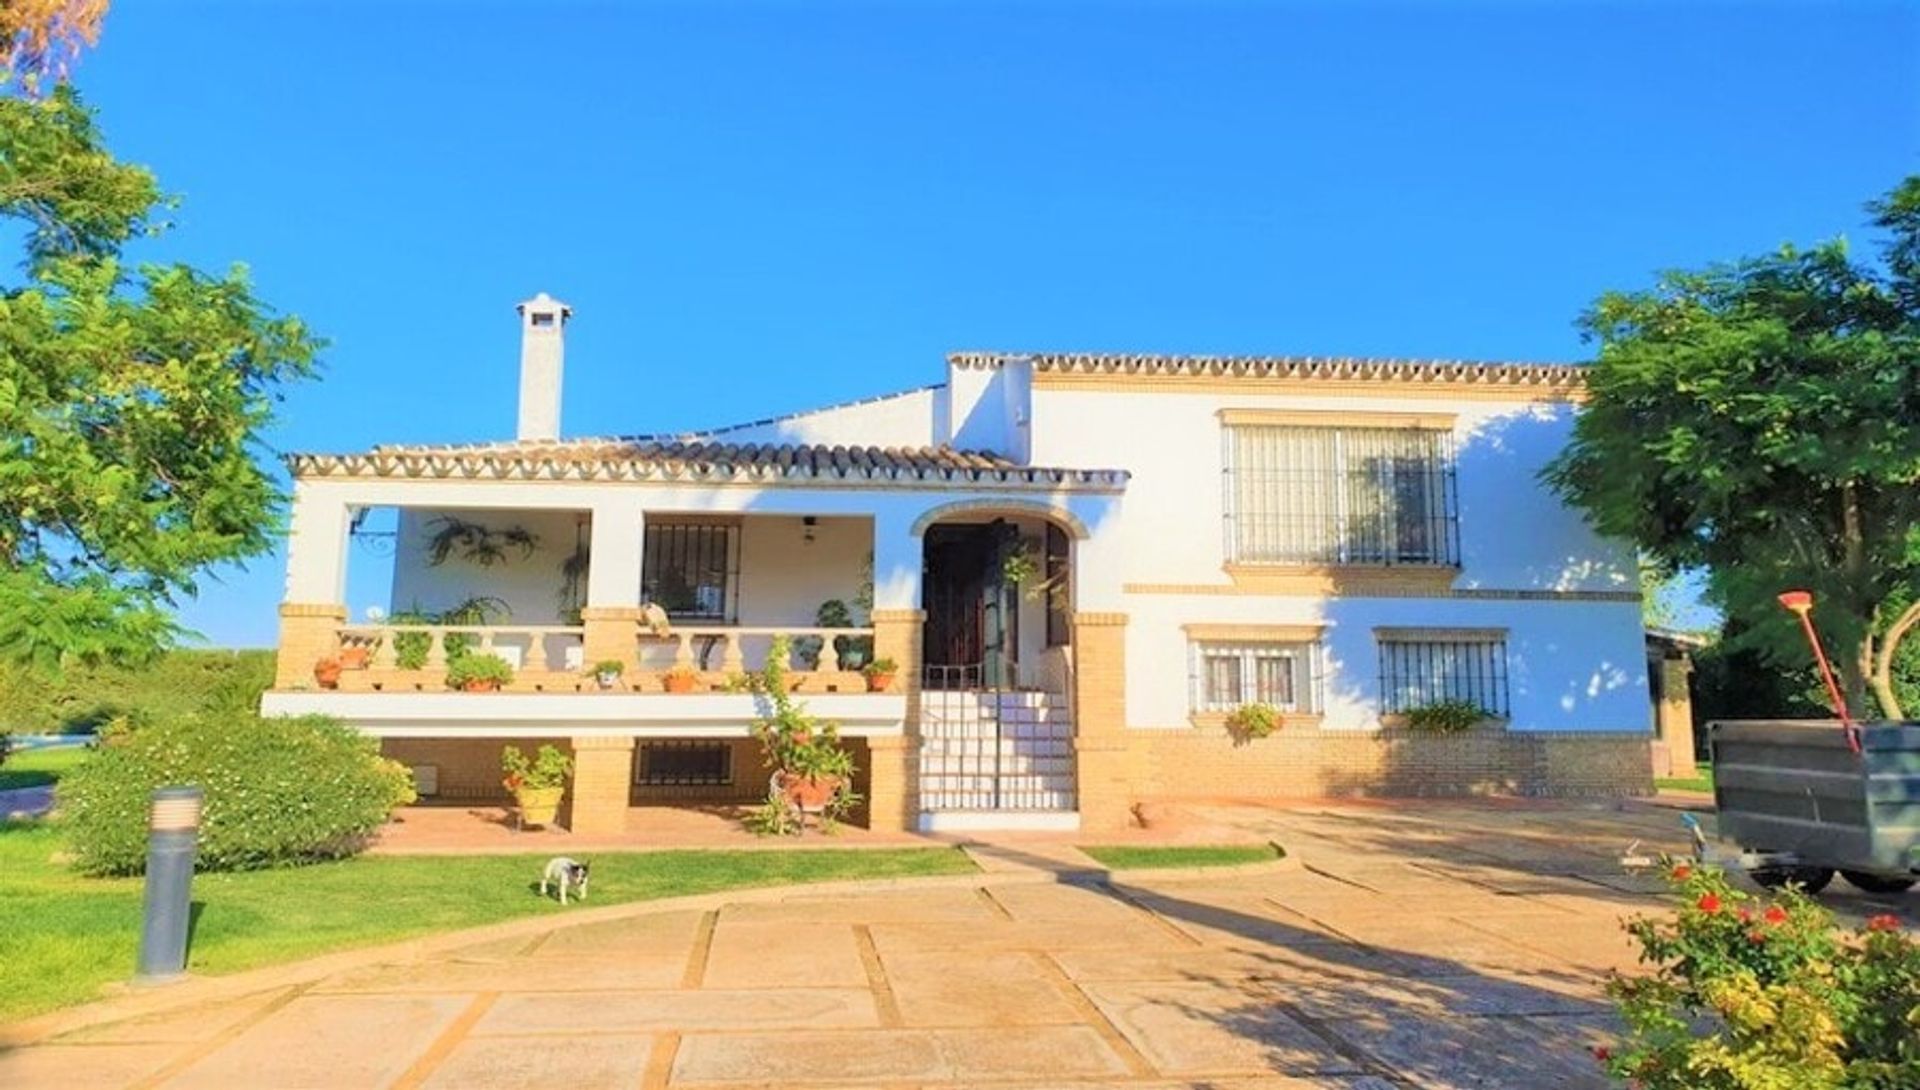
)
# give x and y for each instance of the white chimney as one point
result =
(543, 322)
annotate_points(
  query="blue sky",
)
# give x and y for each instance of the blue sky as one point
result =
(757, 207)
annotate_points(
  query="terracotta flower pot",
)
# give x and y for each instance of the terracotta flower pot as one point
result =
(355, 658)
(879, 683)
(680, 683)
(480, 685)
(327, 673)
(809, 793)
(539, 805)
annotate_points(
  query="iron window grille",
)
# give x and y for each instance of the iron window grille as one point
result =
(1327, 495)
(1226, 676)
(687, 570)
(1419, 673)
(684, 764)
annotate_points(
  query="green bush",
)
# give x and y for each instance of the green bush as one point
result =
(1251, 721)
(278, 791)
(1746, 993)
(1446, 716)
(80, 698)
(470, 667)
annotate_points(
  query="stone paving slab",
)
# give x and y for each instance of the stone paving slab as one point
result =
(1207, 1028)
(325, 1042)
(988, 989)
(62, 1066)
(633, 1012)
(548, 974)
(545, 1063)
(796, 954)
(895, 1055)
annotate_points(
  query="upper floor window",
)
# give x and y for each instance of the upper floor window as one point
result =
(1422, 667)
(686, 569)
(1313, 494)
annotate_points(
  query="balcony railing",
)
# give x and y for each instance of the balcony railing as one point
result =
(551, 658)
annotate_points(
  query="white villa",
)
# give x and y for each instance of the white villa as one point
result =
(1081, 566)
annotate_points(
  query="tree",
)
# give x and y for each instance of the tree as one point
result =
(42, 37)
(132, 400)
(1761, 420)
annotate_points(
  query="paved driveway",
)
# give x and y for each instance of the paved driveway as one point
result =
(1435, 947)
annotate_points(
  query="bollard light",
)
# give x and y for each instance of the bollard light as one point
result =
(173, 839)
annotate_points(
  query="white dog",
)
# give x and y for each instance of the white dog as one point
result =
(567, 874)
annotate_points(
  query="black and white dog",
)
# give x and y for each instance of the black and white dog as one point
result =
(567, 874)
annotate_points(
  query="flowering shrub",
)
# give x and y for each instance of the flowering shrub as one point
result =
(1754, 993)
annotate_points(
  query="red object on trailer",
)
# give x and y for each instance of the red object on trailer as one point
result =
(1800, 603)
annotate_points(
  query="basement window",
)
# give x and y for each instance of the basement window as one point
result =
(684, 764)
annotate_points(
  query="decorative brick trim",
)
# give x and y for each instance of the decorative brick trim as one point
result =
(1386, 591)
(1098, 620)
(603, 741)
(613, 613)
(1275, 633)
(1534, 381)
(1337, 418)
(1440, 635)
(1068, 521)
(1327, 581)
(910, 616)
(329, 610)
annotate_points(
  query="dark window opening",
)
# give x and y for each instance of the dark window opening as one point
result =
(1059, 592)
(685, 570)
(684, 764)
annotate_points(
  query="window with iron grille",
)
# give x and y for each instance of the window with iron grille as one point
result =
(1227, 675)
(684, 764)
(685, 568)
(1341, 495)
(1417, 671)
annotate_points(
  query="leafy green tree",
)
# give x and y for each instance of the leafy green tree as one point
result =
(132, 400)
(1761, 420)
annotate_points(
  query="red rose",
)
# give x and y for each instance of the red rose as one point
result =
(1746, 915)
(1883, 923)
(1756, 937)
(1682, 872)
(1602, 1053)
(1776, 915)
(1709, 903)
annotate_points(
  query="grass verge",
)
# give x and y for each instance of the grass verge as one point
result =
(1141, 857)
(39, 767)
(1701, 782)
(62, 936)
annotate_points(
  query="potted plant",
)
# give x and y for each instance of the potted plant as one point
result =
(880, 674)
(607, 673)
(811, 770)
(1450, 716)
(680, 679)
(1250, 721)
(537, 785)
(356, 656)
(478, 673)
(327, 673)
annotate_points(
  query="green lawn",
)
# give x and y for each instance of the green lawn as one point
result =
(1128, 857)
(1701, 782)
(37, 767)
(62, 936)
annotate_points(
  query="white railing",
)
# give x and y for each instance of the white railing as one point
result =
(524, 647)
(745, 647)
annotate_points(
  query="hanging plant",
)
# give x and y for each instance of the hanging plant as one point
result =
(475, 543)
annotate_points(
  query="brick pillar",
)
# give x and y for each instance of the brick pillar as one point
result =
(894, 785)
(309, 632)
(1103, 752)
(602, 784)
(1676, 717)
(611, 632)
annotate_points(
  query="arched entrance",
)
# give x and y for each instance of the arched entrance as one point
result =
(996, 720)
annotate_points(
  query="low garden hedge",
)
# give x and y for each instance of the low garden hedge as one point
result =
(278, 791)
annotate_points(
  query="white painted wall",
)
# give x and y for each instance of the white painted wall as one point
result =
(896, 420)
(530, 587)
(783, 579)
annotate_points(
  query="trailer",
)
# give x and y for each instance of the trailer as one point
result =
(1799, 804)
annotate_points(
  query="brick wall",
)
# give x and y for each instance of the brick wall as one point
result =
(1308, 763)
(469, 767)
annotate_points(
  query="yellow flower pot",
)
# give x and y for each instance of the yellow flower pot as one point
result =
(539, 805)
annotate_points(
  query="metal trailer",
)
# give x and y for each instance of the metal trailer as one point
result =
(1800, 805)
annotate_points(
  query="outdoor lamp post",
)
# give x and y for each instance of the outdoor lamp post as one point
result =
(173, 837)
(1800, 603)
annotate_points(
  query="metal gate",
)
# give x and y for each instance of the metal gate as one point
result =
(986, 746)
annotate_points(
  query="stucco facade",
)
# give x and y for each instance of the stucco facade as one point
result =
(1124, 472)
